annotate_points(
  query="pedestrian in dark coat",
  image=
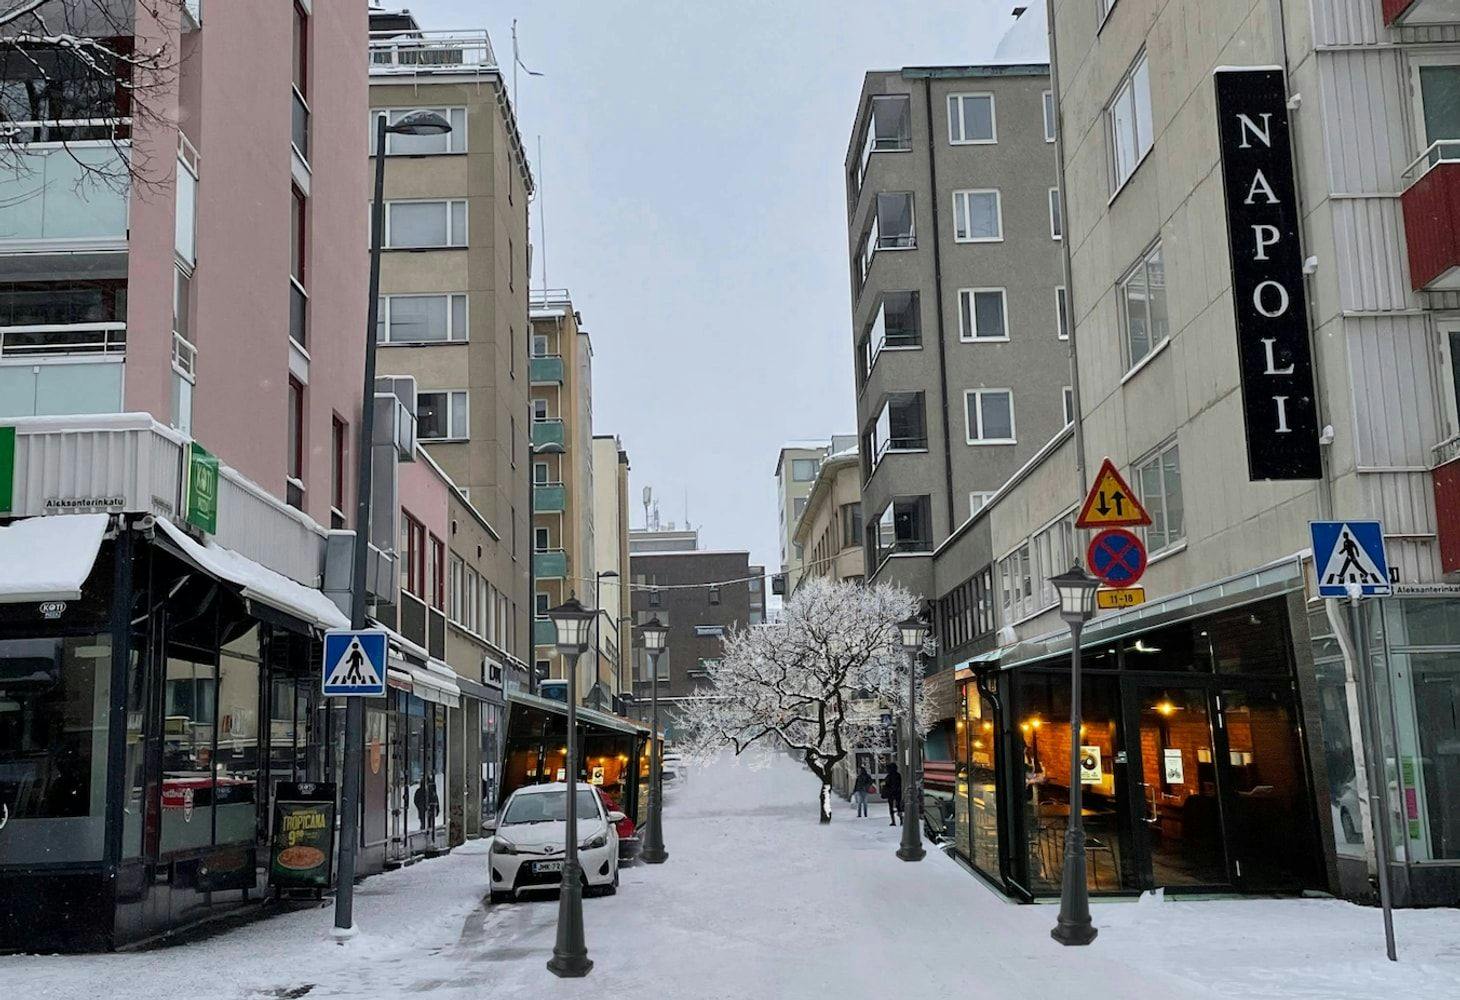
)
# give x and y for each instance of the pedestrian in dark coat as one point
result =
(892, 792)
(860, 789)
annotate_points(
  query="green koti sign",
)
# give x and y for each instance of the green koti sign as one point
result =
(200, 497)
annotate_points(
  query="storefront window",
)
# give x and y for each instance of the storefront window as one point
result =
(189, 714)
(983, 802)
(436, 814)
(237, 762)
(491, 758)
(135, 780)
(55, 696)
(417, 788)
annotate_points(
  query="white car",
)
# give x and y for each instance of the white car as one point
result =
(527, 846)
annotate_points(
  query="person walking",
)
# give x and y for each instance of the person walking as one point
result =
(892, 792)
(860, 789)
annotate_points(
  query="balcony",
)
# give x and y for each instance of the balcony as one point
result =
(1447, 504)
(75, 197)
(1416, 13)
(549, 498)
(548, 564)
(547, 432)
(431, 52)
(546, 369)
(544, 632)
(1431, 213)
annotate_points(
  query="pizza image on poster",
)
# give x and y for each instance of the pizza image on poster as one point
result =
(301, 851)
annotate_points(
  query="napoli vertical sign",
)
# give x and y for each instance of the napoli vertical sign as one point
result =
(1278, 402)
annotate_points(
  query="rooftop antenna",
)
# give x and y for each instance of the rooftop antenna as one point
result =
(648, 497)
(541, 214)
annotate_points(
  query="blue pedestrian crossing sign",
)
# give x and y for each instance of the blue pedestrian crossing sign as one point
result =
(354, 663)
(1348, 553)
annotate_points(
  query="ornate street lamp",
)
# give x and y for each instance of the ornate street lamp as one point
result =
(914, 632)
(656, 640)
(570, 955)
(1076, 591)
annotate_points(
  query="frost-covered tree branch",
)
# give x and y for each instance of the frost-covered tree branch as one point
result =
(814, 682)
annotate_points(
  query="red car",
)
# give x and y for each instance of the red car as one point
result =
(628, 835)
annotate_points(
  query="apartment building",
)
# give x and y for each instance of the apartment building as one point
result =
(181, 349)
(1243, 389)
(959, 329)
(453, 303)
(614, 629)
(563, 546)
(829, 530)
(796, 467)
(663, 539)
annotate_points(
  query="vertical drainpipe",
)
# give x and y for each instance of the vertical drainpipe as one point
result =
(938, 296)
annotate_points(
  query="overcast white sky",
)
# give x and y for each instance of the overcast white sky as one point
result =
(692, 177)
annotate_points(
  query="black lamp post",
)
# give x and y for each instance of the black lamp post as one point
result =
(1077, 606)
(914, 632)
(415, 123)
(570, 955)
(656, 640)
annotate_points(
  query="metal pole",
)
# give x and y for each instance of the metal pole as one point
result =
(355, 707)
(570, 955)
(653, 852)
(1074, 926)
(912, 824)
(1379, 815)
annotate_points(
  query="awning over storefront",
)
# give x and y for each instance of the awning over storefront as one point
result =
(49, 558)
(617, 723)
(411, 668)
(257, 582)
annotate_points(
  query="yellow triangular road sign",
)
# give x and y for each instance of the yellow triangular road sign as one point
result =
(1111, 502)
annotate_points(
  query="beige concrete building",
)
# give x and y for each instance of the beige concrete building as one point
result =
(563, 553)
(829, 530)
(453, 304)
(611, 555)
(796, 468)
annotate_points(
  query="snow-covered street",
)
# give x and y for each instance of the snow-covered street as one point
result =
(758, 900)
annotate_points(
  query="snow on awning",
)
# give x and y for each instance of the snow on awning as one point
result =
(424, 682)
(258, 582)
(49, 558)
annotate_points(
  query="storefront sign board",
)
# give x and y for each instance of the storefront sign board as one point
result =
(200, 497)
(7, 469)
(1111, 503)
(302, 848)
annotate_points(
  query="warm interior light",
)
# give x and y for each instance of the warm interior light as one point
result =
(1165, 707)
(1141, 647)
(1036, 722)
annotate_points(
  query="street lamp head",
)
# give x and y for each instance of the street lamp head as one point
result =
(608, 574)
(914, 632)
(1077, 594)
(572, 620)
(420, 123)
(655, 635)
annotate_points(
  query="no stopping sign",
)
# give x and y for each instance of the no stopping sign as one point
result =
(1117, 557)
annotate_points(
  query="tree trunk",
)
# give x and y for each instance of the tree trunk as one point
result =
(824, 811)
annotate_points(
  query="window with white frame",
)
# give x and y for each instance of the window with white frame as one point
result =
(982, 314)
(425, 225)
(1144, 320)
(978, 500)
(1056, 215)
(803, 470)
(1158, 479)
(971, 119)
(421, 319)
(978, 216)
(1450, 374)
(397, 144)
(1067, 396)
(989, 416)
(539, 409)
(1062, 313)
(1049, 122)
(895, 224)
(1128, 123)
(540, 473)
(441, 415)
(455, 585)
(1024, 574)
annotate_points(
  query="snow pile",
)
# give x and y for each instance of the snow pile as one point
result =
(1027, 39)
(49, 558)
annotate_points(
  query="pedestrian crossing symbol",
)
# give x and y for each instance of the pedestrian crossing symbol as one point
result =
(354, 663)
(1348, 554)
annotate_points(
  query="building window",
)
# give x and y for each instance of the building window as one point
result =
(1056, 215)
(1067, 395)
(905, 525)
(989, 416)
(299, 255)
(897, 323)
(436, 573)
(541, 540)
(539, 346)
(425, 225)
(803, 470)
(540, 473)
(971, 119)
(1158, 479)
(543, 601)
(888, 129)
(981, 314)
(1024, 573)
(1062, 313)
(1128, 123)
(1049, 122)
(295, 475)
(851, 517)
(1142, 299)
(421, 145)
(978, 217)
(978, 500)
(299, 125)
(895, 224)
(421, 319)
(413, 546)
(185, 227)
(339, 457)
(456, 590)
(184, 354)
(899, 426)
(798, 507)
(441, 416)
(966, 612)
(539, 410)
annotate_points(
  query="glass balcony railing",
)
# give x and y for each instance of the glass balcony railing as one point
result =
(546, 432)
(74, 195)
(544, 632)
(547, 369)
(549, 498)
(549, 563)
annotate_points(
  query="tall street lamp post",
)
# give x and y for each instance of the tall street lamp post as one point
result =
(1077, 606)
(415, 123)
(656, 639)
(570, 955)
(914, 633)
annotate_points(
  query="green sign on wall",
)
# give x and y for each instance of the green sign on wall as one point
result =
(7, 469)
(200, 501)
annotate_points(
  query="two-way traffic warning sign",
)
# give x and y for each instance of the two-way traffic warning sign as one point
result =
(1111, 503)
(1350, 553)
(354, 663)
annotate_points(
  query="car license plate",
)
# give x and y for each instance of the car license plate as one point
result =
(538, 867)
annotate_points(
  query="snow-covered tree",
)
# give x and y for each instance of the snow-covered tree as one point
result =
(816, 681)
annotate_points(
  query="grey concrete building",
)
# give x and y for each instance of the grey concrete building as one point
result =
(953, 240)
(797, 466)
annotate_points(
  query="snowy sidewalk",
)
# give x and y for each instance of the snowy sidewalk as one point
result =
(759, 902)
